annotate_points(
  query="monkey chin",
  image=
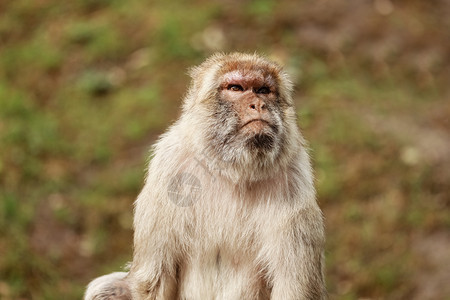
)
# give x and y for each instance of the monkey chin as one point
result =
(261, 142)
(260, 149)
(261, 136)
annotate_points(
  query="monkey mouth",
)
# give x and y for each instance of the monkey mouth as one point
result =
(258, 126)
(256, 122)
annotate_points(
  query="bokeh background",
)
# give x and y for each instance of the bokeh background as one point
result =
(86, 87)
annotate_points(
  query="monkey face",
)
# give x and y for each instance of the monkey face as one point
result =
(248, 115)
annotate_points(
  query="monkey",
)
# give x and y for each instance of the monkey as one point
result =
(228, 209)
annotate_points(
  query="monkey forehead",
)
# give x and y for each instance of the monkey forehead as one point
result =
(244, 62)
(249, 78)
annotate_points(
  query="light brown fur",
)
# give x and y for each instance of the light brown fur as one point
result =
(228, 210)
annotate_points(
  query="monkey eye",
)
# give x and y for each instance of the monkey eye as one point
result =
(263, 90)
(235, 88)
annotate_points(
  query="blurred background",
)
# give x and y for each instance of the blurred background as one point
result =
(87, 86)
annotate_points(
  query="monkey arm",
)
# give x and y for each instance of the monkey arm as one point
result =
(153, 271)
(297, 259)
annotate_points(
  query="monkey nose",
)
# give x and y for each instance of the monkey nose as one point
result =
(257, 106)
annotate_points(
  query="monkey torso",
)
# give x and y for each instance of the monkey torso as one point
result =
(221, 232)
(223, 260)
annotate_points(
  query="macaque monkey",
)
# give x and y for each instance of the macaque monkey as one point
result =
(228, 210)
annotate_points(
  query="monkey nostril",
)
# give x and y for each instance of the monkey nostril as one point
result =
(252, 106)
(263, 106)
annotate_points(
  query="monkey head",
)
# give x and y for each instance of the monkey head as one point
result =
(245, 111)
